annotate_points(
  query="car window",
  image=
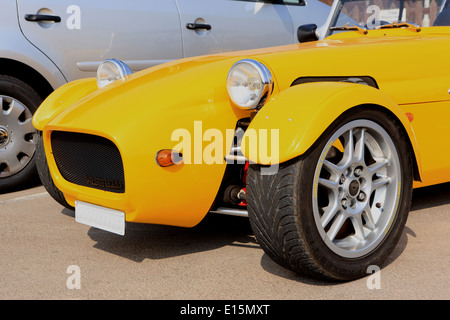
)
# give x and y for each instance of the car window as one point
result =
(286, 2)
(262, 1)
(371, 14)
(295, 2)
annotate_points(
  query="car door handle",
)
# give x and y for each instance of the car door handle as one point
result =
(42, 17)
(196, 26)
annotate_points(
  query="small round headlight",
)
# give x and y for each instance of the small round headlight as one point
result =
(249, 84)
(111, 70)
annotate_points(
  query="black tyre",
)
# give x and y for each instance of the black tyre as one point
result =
(45, 176)
(342, 206)
(17, 135)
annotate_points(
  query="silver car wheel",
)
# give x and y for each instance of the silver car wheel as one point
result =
(17, 136)
(356, 190)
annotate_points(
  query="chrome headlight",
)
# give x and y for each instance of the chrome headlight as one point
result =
(111, 70)
(249, 84)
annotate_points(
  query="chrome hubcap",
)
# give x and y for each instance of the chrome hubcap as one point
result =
(4, 137)
(17, 136)
(356, 188)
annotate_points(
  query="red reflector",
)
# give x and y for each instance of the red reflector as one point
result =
(410, 116)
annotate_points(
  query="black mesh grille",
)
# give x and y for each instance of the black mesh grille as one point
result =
(88, 160)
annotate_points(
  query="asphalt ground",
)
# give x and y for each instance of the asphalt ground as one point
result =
(46, 255)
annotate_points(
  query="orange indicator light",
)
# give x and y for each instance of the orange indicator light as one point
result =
(168, 157)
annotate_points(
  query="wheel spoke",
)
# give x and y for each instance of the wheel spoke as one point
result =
(359, 228)
(27, 127)
(349, 148)
(14, 111)
(381, 181)
(369, 218)
(27, 148)
(359, 147)
(332, 168)
(378, 165)
(329, 184)
(336, 225)
(329, 214)
(12, 164)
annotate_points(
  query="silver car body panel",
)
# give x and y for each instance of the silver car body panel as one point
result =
(137, 30)
(238, 25)
(144, 33)
(14, 47)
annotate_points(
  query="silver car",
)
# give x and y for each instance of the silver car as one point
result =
(47, 43)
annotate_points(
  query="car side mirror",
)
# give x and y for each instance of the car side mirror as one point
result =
(307, 33)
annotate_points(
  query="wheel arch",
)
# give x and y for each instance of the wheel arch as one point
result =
(318, 106)
(26, 74)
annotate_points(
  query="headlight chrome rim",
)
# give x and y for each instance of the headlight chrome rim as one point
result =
(266, 81)
(118, 70)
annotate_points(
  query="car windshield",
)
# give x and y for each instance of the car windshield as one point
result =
(373, 14)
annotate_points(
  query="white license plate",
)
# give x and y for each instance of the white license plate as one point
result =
(100, 217)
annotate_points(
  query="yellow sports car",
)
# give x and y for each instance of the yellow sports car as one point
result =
(319, 143)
